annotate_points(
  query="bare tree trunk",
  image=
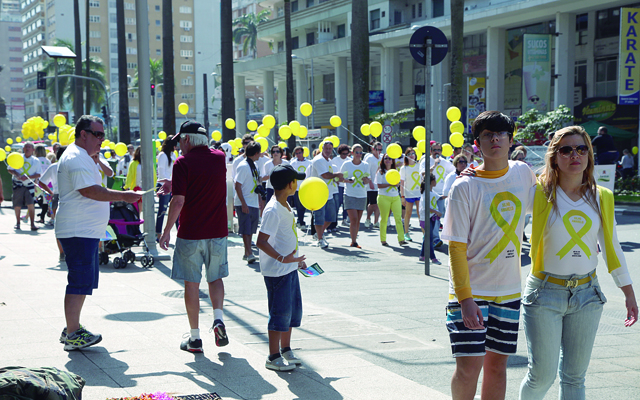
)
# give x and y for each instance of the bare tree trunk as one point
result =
(124, 127)
(87, 106)
(360, 62)
(228, 97)
(457, 48)
(168, 85)
(288, 43)
(77, 98)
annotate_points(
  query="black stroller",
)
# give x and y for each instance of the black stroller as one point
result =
(123, 233)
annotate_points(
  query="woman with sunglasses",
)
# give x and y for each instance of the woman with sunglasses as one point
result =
(388, 200)
(276, 159)
(409, 188)
(562, 300)
(460, 162)
(356, 176)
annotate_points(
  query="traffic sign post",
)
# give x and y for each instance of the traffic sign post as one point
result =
(428, 46)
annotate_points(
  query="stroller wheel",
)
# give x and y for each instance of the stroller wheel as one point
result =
(146, 261)
(129, 256)
(118, 263)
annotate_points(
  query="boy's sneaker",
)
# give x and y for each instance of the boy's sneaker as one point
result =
(63, 335)
(345, 222)
(323, 243)
(220, 333)
(367, 223)
(192, 346)
(407, 237)
(279, 365)
(291, 358)
(249, 259)
(435, 261)
(81, 339)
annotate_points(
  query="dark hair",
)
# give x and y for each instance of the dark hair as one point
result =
(456, 160)
(343, 147)
(247, 136)
(423, 185)
(137, 155)
(84, 123)
(406, 154)
(493, 121)
(168, 146)
(603, 129)
(382, 166)
(252, 149)
(295, 150)
(373, 144)
(61, 150)
(274, 147)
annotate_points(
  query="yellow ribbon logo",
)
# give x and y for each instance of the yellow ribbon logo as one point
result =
(439, 173)
(357, 176)
(575, 236)
(302, 168)
(509, 229)
(434, 202)
(295, 232)
(415, 175)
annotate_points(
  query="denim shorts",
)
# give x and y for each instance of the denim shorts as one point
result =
(412, 199)
(285, 301)
(190, 255)
(247, 223)
(328, 213)
(82, 263)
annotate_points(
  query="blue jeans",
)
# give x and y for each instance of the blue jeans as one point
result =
(432, 252)
(163, 205)
(560, 324)
(435, 228)
(300, 210)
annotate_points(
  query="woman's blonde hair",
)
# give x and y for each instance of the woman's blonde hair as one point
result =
(550, 174)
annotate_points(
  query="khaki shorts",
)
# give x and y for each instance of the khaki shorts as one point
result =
(22, 196)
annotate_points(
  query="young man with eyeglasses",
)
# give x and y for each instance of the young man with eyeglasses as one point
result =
(246, 139)
(373, 160)
(300, 164)
(337, 162)
(81, 221)
(484, 227)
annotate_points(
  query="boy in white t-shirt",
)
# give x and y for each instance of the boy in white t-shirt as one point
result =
(278, 244)
(486, 221)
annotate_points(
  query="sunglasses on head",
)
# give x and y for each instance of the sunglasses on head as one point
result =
(97, 134)
(581, 150)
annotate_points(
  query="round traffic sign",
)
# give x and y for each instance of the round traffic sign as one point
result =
(386, 138)
(439, 49)
(387, 129)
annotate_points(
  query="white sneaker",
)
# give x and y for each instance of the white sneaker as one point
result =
(291, 358)
(323, 243)
(345, 222)
(367, 223)
(315, 236)
(279, 364)
(377, 224)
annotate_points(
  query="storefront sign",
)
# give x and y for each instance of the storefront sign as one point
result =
(606, 110)
(629, 72)
(476, 99)
(536, 72)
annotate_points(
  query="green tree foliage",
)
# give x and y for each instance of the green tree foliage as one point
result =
(245, 30)
(534, 127)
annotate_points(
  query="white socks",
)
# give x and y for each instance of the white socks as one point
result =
(195, 334)
(217, 314)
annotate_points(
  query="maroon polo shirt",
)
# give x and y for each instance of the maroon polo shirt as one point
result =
(200, 176)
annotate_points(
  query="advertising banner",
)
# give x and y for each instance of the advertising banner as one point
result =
(605, 110)
(629, 81)
(476, 100)
(536, 72)
(419, 90)
(376, 102)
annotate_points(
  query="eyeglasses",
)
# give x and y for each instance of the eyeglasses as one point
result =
(411, 154)
(245, 143)
(345, 153)
(567, 151)
(489, 135)
(299, 152)
(357, 152)
(434, 149)
(462, 162)
(99, 135)
(276, 151)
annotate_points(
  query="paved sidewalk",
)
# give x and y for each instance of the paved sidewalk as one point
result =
(373, 326)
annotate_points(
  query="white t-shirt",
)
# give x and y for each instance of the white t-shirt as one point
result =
(337, 163)
(267, 168)
(564, 256)
(410, 174)
(374, 164)
(388, 191)
(31, 166)
(123, 165)
(79, 216)
(434, 204)
(165, 171)
(234, 165)
(357, 189)
(321, 165)
(44, 163)
(441, 171)
(448, 182)
(494, 264)
(51, 176)
(300, 166)
(279, 223)
(261, 162)
(249, 182)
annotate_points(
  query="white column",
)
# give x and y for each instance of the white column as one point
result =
(302, 86)
(267, 85)
(282, 102)
(390, 79)
(241, 105)
(565, 59)
(496, 42)
(342, 102)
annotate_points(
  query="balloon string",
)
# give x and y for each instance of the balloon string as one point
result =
(355, 136)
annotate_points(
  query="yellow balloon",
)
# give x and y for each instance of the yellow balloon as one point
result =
(263, 130)
(7, 148)
(18, 139)
(365, 129)
(121, 149)
(305, 151)
(335, 121)
(162, 135)
(394, 150)
(456, 139)
(107, 154)
(334, 140)
(3, 155)
(104, 144)
(295, 127)
(112, 146)
(284, 132)
(306, 109)
(393, 177)
(9, 141)
(59, 120)
(418, 154)
(303, 132)
(453, 114)
(15, 160)
(238, 142)
(183, 108)
(234, 151)
(216, 135)
(447, 150)
(422, 146)
(282, 145)
(252, 125)
(45, 124)
(230, 123)
(419, 133)
(634, 150)
(269, 121)
(264, 144)
(375, 128)
(456, 127)
(313, 193)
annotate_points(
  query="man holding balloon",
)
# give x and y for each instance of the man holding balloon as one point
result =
(24, 170)
(321, 168)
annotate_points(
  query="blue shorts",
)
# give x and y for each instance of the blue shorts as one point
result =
(190, 255)
(411, 199)
(82, 263)
(285, 301)
(500, 333)
(328, 213)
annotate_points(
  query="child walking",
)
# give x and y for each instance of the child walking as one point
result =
(279, 262)
(433, 214)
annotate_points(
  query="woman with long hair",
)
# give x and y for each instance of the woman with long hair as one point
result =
(410, 188)
(460, 162)
(388, 200)
(276, 159)
(562, 300)
(356, 176)
(166, 158)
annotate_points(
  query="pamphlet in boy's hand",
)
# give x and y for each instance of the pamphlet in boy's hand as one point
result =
(311, 271)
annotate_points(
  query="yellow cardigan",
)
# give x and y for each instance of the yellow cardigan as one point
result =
(132, 176)
(541, 211)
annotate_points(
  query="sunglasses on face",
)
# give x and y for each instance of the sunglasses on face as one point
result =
(357, 152)
(462, 162)
(276, 151)
(97, 134)
(387, 159)
(298, 153)
(345, 153)
(567, 151)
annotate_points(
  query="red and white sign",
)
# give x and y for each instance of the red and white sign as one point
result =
(387, 129)
(386, 138)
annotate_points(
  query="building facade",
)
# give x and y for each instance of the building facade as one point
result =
(11, 76)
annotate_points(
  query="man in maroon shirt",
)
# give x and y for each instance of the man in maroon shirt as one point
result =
(199, 191)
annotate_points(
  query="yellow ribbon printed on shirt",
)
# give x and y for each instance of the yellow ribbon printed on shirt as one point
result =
(415, 175)
(509, 228)
(576, 237)
(439, 173)
(358, 176)
(295, 232)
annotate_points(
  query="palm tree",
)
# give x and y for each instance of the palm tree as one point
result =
(360, 62)
(124, 126)
(67, 85)
(226, 50)
(288, 44)
(457, 48)
(246, 30)
(77, 98)
(156, 73)
(168, 87)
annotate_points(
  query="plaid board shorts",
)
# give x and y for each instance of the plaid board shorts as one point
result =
(501, 322)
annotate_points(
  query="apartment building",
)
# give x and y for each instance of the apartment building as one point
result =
(11, 77)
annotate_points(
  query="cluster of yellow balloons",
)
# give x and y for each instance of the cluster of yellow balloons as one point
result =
(457, 129)
(33, 128)
(374, 129)
(66, 135)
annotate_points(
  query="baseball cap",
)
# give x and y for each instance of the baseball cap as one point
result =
(282, 175)
(191, 126)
